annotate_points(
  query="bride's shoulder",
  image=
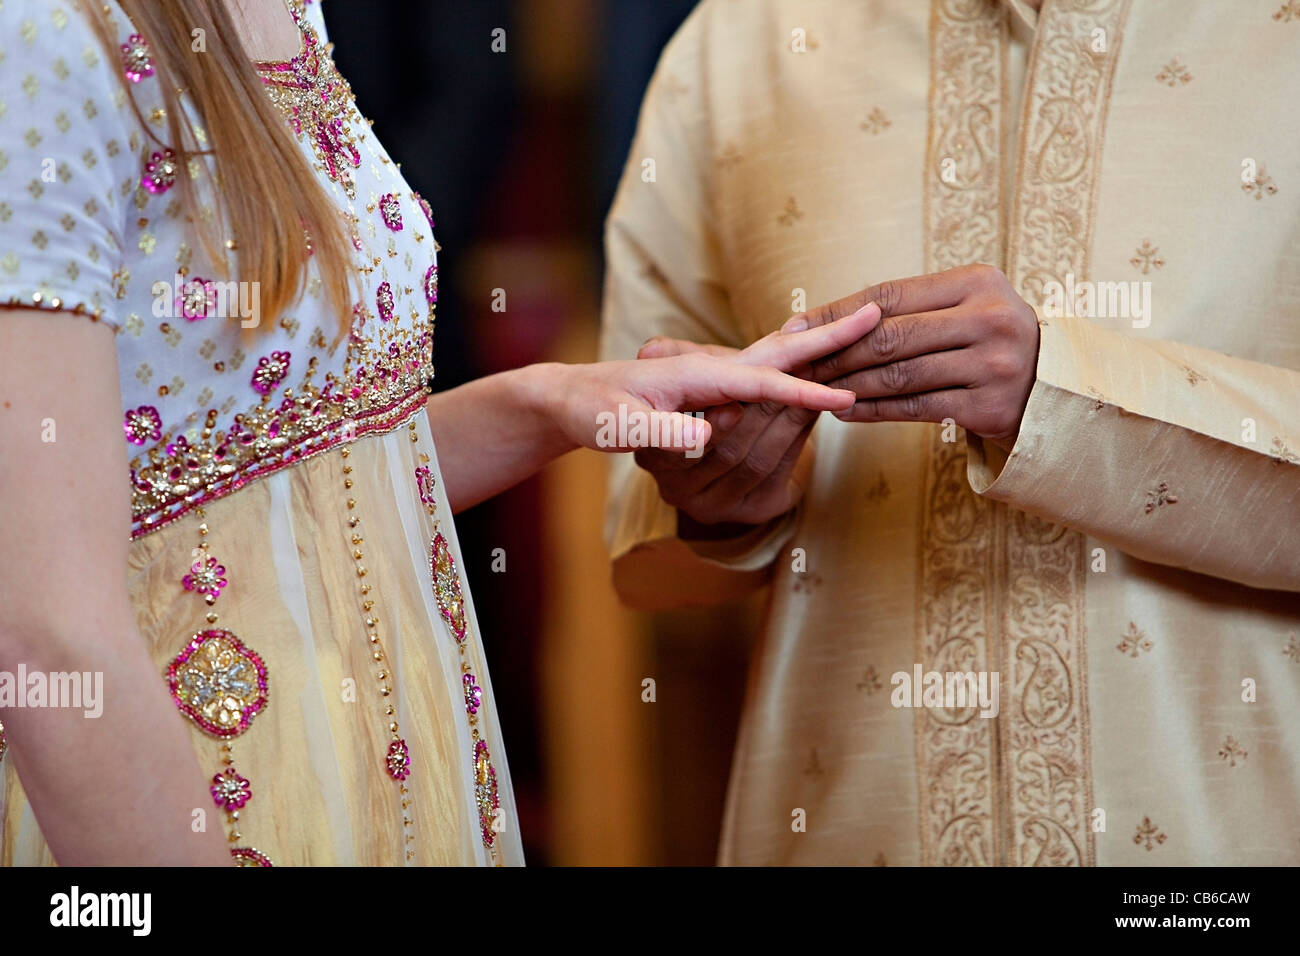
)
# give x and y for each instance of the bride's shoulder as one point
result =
(69, 137)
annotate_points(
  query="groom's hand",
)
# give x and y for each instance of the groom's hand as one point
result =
(747, 473)
(958, 345)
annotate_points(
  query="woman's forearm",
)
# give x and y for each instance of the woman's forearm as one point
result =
(121, 787)
(113, 781)
(496, 431)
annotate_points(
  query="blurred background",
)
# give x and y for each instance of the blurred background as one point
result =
(519, 152)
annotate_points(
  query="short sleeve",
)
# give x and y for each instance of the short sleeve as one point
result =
(68, 145)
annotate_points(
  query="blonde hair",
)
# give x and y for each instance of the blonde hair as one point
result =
(265, 189)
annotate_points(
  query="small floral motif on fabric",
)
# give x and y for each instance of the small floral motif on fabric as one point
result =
(398, 760)
(270, 372)
(1174, 74)
(1133, 641)
(473, 694)
(1147, 257)
(218, 683)
(390, 208)
(1149, 834)
(207, 577)
(1232, 751)
(142, 424)
(1159, 497)
(230, 791)
(197, 299)
(431, 285)
(160, 172)
(136, 61)
(385, 302)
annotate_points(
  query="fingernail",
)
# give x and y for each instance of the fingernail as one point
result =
(798, 324)
(728, 417)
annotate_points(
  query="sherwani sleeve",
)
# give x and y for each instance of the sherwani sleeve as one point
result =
(1175, 454)
(664, 277)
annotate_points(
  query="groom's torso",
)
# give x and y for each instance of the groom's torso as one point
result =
(1116, 142)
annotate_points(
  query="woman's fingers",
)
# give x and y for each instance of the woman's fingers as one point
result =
(662, 346)
(716, 381)
(788, 351)
(641, 428)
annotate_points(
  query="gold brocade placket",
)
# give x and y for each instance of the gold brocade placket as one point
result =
(957, 750)
(1000, 588)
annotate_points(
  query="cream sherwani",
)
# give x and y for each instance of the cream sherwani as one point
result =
(1131, 570)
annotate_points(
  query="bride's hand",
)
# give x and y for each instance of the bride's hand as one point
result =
(621, 406)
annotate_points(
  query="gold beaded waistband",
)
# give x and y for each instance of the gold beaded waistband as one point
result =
(181, 475)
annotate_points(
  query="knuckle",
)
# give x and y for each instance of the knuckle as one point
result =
(896, 377)
(886, 339)
(887, 295)
(1003, 321)
(729, 454)
(759, 464)
(915, 406)
(1003, 365)
(827, 368)
(985, 276)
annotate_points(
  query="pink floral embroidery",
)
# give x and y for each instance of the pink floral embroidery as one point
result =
(206, 577)
(197, 299)
(384, 300)
(218, 683)
(159, 172)
(136, 61)
(425, 208)
(270, 372)
(391, 211)
(398, 762)
(473, 694)
(142, 424)
(317, 103)
(424, 484)
(230, 791)
(431, 284)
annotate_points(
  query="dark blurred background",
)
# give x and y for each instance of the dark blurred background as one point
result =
(519, 152)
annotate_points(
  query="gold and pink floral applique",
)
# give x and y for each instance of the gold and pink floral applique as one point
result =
(137, 63)
(218, 683)
(446, 586)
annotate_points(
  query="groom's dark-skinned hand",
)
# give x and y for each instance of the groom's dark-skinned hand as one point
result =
(958, 345)
(746, 475)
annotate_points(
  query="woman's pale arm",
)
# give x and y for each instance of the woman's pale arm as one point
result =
(120, 788)
(498, 430)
